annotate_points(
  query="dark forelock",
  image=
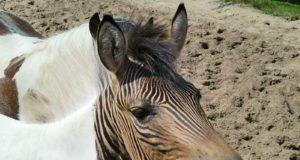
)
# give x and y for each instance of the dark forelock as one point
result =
(148, 45)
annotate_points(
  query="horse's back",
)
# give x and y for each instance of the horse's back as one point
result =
(16, 36)
(11, 48)
(10, 23)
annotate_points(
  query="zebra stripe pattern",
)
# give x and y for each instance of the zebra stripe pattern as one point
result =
(149, 112)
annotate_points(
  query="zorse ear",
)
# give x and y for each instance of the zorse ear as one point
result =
(179, 28)
(111, 44)
(94, 24)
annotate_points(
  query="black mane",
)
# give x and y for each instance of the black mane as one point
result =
(148, 45)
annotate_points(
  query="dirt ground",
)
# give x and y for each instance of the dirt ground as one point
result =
(246, 64)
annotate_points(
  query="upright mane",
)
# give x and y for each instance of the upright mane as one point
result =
(148, 45)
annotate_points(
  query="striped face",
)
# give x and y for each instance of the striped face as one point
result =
(149, 117)
(155, 112)
(149, 111)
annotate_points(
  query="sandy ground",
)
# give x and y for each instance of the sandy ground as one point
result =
(246, 64)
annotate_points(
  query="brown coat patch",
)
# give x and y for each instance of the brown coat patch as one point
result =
(9, 105)
(14, 67)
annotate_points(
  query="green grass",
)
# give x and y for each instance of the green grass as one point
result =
(289, 9)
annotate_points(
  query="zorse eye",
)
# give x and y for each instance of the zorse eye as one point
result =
(141, 113)
(144, 113)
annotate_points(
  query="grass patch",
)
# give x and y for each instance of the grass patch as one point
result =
(289, 9)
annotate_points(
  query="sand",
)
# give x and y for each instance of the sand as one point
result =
(246, 64)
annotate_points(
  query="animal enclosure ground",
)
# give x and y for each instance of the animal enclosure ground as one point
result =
(246, 64)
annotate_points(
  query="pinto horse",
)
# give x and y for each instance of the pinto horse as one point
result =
(45, 79)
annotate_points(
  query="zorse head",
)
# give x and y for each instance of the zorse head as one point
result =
(149, 111)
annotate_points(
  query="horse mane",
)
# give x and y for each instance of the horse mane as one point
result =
(148, 44)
